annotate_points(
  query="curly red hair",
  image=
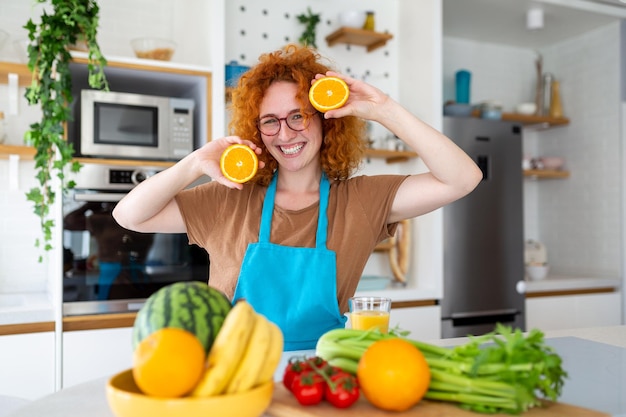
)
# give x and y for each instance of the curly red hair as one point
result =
(343, 144)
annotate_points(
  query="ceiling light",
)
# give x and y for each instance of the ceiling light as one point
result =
(534, 19)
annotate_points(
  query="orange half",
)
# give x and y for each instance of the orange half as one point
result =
(328, 93)
(239, 163)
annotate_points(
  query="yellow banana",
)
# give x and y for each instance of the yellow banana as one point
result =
(258, 347)
(272, 359)
(227, 350)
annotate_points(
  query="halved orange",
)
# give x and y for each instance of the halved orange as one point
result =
(328, 93)
(239, 163)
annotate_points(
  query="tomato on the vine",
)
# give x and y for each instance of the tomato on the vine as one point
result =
(343, 390)
(308, 388)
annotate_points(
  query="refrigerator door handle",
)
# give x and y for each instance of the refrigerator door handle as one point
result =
(486, 313)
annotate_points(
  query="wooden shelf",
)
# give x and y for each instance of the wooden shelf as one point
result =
(530, 120)
(24, 152)
(535, 120)
(352, 36)
(23, 74)
(390, 156)
(545, 173)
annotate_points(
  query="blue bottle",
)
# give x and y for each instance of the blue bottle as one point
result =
(463, 79)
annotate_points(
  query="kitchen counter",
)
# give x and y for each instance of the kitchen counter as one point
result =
(20, 308)
(556, 283)
(595, 359)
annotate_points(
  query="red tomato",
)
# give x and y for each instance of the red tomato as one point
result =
(345, 391)
(298, 365)
(308, 388)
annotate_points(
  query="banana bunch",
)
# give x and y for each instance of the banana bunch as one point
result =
(245, 353)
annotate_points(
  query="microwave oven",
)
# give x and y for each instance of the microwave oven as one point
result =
(136, 126)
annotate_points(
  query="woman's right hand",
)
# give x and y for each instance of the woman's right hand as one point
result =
(207, 158)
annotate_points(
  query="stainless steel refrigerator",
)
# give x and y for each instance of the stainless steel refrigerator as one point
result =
(483, 232)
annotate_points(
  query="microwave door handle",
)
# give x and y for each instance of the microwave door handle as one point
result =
(99, 197)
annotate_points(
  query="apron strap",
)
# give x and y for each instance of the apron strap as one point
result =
(268, 210)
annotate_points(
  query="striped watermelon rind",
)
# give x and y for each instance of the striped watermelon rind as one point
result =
(189, 305)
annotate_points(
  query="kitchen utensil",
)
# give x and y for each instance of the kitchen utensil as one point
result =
(352, 18)
(126, 400)
(233, 71)
(284, 404)
(153, 48)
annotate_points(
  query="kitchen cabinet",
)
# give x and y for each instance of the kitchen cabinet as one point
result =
(573, 311)
(28, 365)
(423, 322)
(353, 36)
(89, 354)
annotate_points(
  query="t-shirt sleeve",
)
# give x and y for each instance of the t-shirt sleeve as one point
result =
(195, 204)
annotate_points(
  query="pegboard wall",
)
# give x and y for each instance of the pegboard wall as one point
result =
(255, 27)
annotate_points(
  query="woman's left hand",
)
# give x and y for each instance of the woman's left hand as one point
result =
(363, 101)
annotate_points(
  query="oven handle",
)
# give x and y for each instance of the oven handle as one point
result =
(99, 197)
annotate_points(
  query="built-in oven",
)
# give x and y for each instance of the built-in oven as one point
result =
(110, 269)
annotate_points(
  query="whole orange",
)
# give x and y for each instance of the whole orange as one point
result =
(393, 374)
(168, 363)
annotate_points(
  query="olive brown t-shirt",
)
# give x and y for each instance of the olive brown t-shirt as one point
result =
(224, 221)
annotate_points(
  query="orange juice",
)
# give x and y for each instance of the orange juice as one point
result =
(367, 319)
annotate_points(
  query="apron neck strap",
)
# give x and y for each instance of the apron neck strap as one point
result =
(322, 219)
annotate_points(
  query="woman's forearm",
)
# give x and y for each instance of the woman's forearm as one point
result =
(151, 207)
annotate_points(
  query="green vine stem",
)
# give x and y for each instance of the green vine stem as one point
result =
(51, 87)
(310, 21)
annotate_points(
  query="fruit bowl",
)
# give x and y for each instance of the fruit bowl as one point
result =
(153, 48)
(126, 400)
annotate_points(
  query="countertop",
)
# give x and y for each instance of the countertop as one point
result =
(19, 308)
(589, 354)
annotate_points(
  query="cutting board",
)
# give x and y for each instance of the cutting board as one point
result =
(284, 404)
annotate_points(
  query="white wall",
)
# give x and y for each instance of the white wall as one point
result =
(579, 218)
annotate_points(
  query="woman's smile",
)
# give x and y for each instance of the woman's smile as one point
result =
(292, 149)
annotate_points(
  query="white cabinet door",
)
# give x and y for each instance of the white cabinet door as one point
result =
(573, 311)
(27, 365)
(90, 354)
(424, 323)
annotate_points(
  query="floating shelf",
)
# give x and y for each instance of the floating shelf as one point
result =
(390, 156)
(352, 36)
(545, 173)
(24, 152)
(530, 120)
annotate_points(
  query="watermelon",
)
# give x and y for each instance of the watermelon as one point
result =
(189, 305)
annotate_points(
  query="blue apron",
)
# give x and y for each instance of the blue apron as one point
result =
(295, 287)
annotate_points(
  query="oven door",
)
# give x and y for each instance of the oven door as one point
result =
(111, 269)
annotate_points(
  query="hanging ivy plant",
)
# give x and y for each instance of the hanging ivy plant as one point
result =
(310, 21)
(51, 87)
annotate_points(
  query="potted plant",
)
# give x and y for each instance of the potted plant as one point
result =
(67, 23)
(310, 22)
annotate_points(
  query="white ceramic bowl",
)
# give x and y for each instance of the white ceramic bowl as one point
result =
(526, 108)
(537, 272)
(352, 18)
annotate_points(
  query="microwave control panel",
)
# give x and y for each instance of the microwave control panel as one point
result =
(181, 122)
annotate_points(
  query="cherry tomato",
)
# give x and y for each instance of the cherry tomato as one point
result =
(308, 388)
(293, 368)
(344, 390)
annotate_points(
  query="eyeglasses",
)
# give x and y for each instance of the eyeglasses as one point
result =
(270, 125)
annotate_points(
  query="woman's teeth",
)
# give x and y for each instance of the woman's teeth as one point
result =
(291, 150)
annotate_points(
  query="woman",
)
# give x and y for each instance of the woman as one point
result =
(294, 241)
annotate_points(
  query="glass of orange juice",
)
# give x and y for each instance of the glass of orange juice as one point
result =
(368, 312)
